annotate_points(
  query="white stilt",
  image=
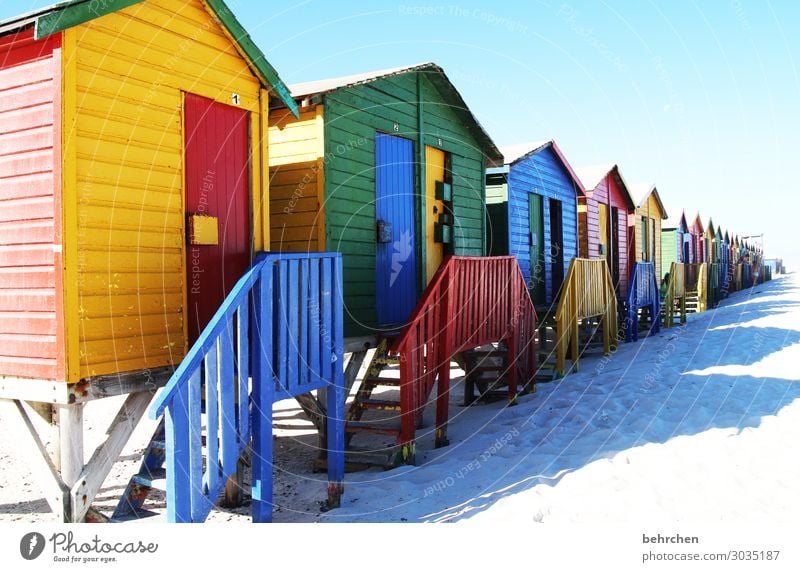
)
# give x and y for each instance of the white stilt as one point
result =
(70, 424)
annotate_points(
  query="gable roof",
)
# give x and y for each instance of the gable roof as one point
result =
(676, 221)
(695, 220)
(642, 191)
(434, 73)
(519, 151)
(592, 175)
(71, 13)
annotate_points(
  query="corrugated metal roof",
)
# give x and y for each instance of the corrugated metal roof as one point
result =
(305, 89)
(438, 77)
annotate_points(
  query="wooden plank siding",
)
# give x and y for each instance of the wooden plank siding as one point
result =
(296, 171)
(671, 241)
(31, 276)
(652, 212)
(544, 174)
(352, 117)
(124, 172)
(609, 192)
(497, 216)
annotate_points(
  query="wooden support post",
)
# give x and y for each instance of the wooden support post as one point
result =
(408, 375)
(263, 394)
(336, 397)
(512, 344)
(320, 404)
(70, 425)
(445, 343)
(92, 476)
(232, 497)
(176, 429)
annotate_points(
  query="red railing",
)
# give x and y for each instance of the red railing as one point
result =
(470, 302)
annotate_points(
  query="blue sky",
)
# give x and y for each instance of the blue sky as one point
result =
(702, 98)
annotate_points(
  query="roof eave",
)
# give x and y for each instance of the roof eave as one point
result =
(624, 185)
(575, 179)
(65, 15)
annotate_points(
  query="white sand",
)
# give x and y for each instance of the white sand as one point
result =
(696, 424)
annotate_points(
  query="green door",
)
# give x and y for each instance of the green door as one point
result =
(536, 222)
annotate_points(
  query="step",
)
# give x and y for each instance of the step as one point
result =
(387, 381)
(379, 404)
(362, 459)
(155, 479)
(371, 427)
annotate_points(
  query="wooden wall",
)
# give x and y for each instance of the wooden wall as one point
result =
(296, 170)
(31, 277)
(124, 78)
(407, 105)
(544, 174)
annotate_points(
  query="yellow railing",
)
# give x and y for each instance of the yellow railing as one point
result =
(676, 292)
(587, 292)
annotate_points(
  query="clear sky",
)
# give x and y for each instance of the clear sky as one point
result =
(702, 98)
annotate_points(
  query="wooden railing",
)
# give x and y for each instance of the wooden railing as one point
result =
(643, 292)
(588, 291)
(676, 294)
(702, 287)
(277, 334)
(470, 302)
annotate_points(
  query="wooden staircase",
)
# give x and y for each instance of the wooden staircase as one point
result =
(470, 303)
(278, 334)
(151, 476)
(643, 302)
(674, 301)
(486, 369)
(372, 412)
(587, 309)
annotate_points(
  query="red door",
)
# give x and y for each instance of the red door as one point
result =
(217, 194)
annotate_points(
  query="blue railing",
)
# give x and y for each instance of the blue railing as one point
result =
(278, 334)
(643, 292)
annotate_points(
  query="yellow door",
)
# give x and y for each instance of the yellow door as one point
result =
(434, 171)
(602, 224)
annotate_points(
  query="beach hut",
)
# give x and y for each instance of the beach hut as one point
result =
(697, 235)
(532, 205)
(710, 242)
(676, 244)
(132, 199)
(388, 168)
(603, 220)
(644, 227)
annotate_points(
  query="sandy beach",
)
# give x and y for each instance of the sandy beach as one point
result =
(694, 424)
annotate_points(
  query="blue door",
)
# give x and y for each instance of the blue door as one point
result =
(395, 260)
